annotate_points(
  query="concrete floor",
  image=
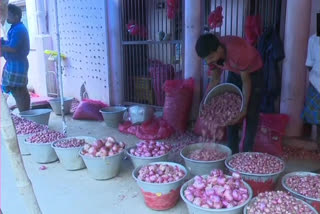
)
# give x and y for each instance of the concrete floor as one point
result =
(68, 192)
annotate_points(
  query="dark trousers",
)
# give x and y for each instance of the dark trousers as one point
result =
(22, 97)
(252, 113)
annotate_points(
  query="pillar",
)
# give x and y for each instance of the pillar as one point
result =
(294, 70)
(114, 46)
(192, 63)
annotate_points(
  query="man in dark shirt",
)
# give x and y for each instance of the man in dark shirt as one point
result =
(15, 50)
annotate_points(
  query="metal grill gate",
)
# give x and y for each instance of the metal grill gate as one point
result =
(148, 61)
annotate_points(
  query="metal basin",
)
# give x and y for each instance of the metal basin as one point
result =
(140, 161)
(197, 167)
(312, 201)
(69, 157)
(42, 152)
(258, 182)
(40, 116)
(103, 168)
(56, 105)
(253, 200)
(23, 147)
(194, 209)
(113, 115)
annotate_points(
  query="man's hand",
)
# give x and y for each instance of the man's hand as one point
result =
(238, 119)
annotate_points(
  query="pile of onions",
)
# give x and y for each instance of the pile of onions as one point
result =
(207, 154)
(256, 163)
(305, 185)
(277, 202)
(70, 143)
(150, 149)
(217, 191)
(160, 173)
(24, 126)
(48, 136)
(103, 148)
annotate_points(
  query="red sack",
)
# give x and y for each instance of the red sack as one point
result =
(253, 29)
(89, 110)
(159, 74)
(202, 130)
(270, 131)
(215, 18)
(135, 29)
(154, 129)
(172, 8)
(178, 103)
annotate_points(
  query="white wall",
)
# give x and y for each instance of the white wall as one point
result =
(84, 41)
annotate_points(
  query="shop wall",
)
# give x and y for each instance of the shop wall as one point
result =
(83, 37)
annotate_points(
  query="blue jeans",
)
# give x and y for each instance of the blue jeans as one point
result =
(252, 116)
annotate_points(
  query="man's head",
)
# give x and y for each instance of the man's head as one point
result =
(14, 14)
(209, 48)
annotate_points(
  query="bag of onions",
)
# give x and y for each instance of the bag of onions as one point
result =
(103, 158)
(216, 193)
(160, 183)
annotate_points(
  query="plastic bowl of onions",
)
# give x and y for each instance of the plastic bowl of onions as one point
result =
(103, 158)
(305, 186)
(146, 152)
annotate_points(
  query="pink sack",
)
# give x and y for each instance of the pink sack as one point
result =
(178, 102)
(89, 110)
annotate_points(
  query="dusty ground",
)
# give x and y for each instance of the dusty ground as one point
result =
(67, 192)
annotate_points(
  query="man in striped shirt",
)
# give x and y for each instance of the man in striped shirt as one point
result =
(15, 50)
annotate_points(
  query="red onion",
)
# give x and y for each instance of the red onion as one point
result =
(24, 126)
(70, 143)
(217, 191)
(103, 148)
(256, 163)
(207, 154)
(305, 185)
(277, 202)
(150, 149)
(160, 173)
(48, 136)
(221, 110)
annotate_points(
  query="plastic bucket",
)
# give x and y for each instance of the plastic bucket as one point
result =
(56, 105)
(103, 168)
(197, 167)
(42, 152)
(140, 161)
(160, 196)
(312, 201)
(40, 116)
(258, 182)
(194, 209)
(113, 115)
(23, 147)
(69, 157)
(253, 200)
